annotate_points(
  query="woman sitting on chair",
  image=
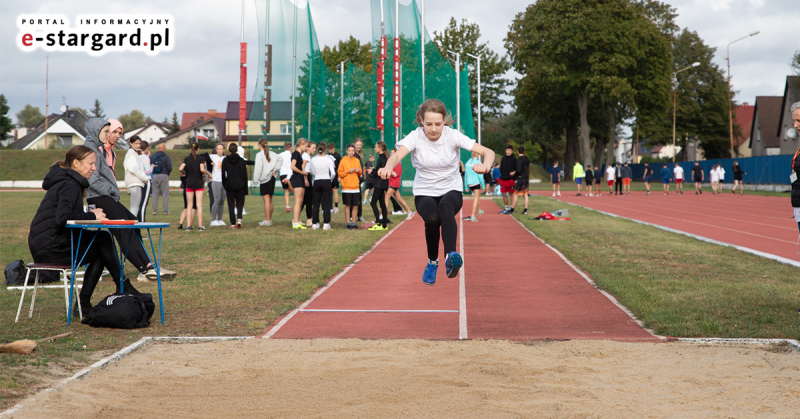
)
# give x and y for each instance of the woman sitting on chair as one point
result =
(49, 238)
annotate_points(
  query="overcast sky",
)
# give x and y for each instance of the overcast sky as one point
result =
(201, 71)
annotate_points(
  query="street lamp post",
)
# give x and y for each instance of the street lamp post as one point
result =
(458, 88)
(675, 104)
(479, 95)
(730, 105)
(341, 106)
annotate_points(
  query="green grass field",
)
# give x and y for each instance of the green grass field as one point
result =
(234, 283)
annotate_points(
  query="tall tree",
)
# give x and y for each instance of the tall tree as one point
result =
(6, 125)
(603, 54)
(97, 111)
(464, 38)
(29, 116)
(174, 125)
(132, 120)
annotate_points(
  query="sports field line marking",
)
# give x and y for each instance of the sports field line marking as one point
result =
(271, 332)
(462, 288)
(101, 364)
(591, 281)
(336, 310)
(777, 258)
(794, 344)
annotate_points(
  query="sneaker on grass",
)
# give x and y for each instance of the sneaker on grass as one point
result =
(165, 274)
(326, 226)
(298, 226)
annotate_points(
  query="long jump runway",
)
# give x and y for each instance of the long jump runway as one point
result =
(760, 224)
(512, 286)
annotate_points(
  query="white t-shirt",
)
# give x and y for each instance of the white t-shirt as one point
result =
(714, 175)
(216, 174)
(321, 167)
(286, 166)
(610, 173)
(721, 173)
(436, 161)
(678, 172)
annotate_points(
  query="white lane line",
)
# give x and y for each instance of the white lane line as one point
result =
(590, 281)
(319, 292)
(334, 310)
(765, 255)
(462, 289)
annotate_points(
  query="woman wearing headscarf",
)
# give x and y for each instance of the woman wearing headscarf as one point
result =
(103, 193)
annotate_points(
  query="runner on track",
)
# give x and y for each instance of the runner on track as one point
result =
(435, 154)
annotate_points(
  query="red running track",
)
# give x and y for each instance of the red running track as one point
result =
(760, 223)
(512, 286)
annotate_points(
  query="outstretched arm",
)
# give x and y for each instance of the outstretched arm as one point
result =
(488, 159)
(386, 171)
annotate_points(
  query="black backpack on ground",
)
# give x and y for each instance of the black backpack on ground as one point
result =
(15, 273)
(122, 311)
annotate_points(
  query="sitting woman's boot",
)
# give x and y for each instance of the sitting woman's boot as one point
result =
(128, 287)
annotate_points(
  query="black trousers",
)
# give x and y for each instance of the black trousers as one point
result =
(130, 245)
(235, 203)
(439, 213)
(379, 197)
(323, 194)
(618, 185)
(308, 200)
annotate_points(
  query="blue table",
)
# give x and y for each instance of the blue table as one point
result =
(76, 262)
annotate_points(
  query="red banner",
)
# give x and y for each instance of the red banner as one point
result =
(381, 83)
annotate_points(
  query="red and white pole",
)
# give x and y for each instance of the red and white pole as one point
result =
(381, 93)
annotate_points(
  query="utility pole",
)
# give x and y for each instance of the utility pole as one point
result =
(730, 105)
(480, 113)
(294, 71)
(458, 89)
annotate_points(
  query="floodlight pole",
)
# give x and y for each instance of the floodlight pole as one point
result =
(479, 95)
(341, 106)
(422, 43)
(294, 73)
(674, 105)
(458, 89)
(730, 105)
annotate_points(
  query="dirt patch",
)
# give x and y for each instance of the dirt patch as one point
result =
(413, 378)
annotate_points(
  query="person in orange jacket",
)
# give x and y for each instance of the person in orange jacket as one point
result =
(349, 170)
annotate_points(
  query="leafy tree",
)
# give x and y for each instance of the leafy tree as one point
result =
(173, 126)
(795, 63)
(6, 125)
(358, 53)
(97, 111)
(464, 38)
(29, 116)
(134, 119)
(517, 130)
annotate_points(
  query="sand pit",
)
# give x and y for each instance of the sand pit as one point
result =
(415, 378)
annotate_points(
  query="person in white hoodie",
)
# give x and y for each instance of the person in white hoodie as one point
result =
(144, 160)
(135, 178)
(267, 169)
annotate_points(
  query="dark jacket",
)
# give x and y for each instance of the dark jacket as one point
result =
(234, 172)
(165, 160)
(49, 238)
(377, 182)
(508, 164)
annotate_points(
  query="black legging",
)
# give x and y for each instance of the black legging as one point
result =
(323, 194)
(440, 211)
(130, 245)
(379, 196)
(235, 203)
(308, 200)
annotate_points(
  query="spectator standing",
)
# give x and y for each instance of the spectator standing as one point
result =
(267, 169)
(598, 179)
(523, 174)
(323, 169)
(144, 160)
(195, 167)
(216, 186)
(611, 176)
(162, 167)
(666, 177)
(647, 177)
(395, 181)
(234, 180)
(555, 178)
(496, 178)
(738, 174)
(588, 177)
(508, 170)
(335, 181)
(721, 173)
(308, 197)
(714, 175)
(627, 174)
(299, 180)
(380, 186)
(697, 176)
(286, 173)
(348, 171)
(678, 172)
(795, 176)
(578, 174)
(618, 179)
(135, 177)
(474, 182)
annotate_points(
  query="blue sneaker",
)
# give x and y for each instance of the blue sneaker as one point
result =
(429, 276)
(453, 263)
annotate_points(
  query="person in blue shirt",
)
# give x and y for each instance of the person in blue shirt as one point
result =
(496, 177)
(666, 176)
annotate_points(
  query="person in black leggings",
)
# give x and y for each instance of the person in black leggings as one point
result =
(435, 154)
(380, 187)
